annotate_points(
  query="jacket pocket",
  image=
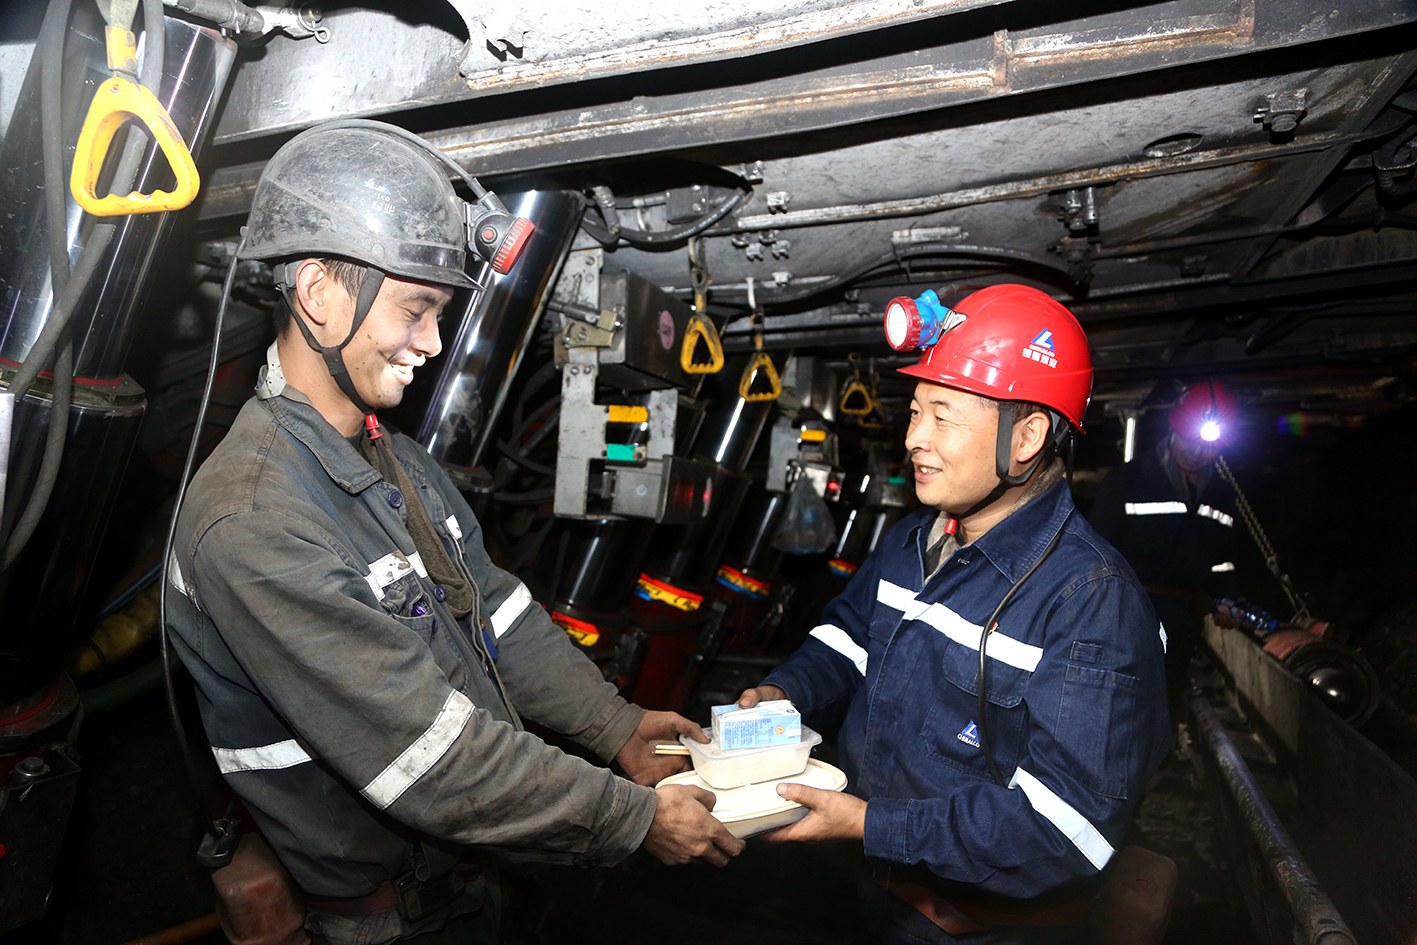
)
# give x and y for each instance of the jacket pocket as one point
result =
(951, 729)
(407, 600)
(1098, 711)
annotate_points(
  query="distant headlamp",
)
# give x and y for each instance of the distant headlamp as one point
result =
(1210, 430)
(918, 322)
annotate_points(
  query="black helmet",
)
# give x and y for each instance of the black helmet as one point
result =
(365, 193)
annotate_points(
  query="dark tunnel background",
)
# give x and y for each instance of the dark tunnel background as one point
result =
(1335, 500)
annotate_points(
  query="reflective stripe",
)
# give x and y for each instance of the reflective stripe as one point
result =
(387, 570)
(1223, 518)
(453, 529)
(1002, 647)
(1156, 508)
(1222, 567)
(839, 640)
(417, 758)
(174, 576)
(899, 598)
(513, 607)
(417, 561)
(1060, 814)
(1161, 628)
(286, 754)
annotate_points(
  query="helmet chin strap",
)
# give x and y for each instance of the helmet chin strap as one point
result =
(334, 359)
(1003, 449)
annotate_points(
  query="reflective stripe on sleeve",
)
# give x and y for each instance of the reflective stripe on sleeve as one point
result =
(387, 570)
(840, 641)
(174, 576)
(417, 758)
(1156, 508)
(1224, 518)
(1060, 814)
(513, 607)
(286, 754)
(453, 528)
(1002, 647)
(1222, 567)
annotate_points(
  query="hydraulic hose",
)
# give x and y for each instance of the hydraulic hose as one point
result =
(615, 232)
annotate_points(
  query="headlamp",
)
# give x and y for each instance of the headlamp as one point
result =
(918, 322)
(495, 235)
(1210, 429)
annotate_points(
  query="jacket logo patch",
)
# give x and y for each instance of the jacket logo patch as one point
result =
(969, 735)
(1041, 349)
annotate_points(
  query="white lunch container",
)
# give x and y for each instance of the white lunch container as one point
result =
(740, 766)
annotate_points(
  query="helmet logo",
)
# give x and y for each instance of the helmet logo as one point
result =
(1041, 349)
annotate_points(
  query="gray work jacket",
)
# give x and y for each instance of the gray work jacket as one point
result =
(345, 705)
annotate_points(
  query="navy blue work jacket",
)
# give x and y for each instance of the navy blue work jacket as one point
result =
(1077, 713)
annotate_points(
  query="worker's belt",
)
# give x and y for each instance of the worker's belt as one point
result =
(413, 898)
(958, 916)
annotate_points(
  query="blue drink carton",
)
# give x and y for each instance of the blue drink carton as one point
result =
(776, 722)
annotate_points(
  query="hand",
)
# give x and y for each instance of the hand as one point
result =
(830, 815)
(683, 830)
(752, 697)
(637, 758)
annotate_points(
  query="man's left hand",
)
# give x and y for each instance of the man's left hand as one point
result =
(830, 815)
(637, 758)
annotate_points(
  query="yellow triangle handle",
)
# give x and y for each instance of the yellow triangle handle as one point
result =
(855, 399)
(872, 420)
(760, 362)
(700, 328)
(115, 102)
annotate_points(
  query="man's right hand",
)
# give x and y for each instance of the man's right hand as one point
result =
(683, 830)
(752, 697)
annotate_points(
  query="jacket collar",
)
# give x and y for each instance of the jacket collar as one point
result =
(292, 410)
(1015, 543)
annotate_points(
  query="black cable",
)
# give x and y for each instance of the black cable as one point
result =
(188, 762)
(902, 254)
(55, 437)
(990, 626)
(643, 238)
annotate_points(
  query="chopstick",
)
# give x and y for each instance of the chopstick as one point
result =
(669, 748)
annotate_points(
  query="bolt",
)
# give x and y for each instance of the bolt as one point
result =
(29, 769)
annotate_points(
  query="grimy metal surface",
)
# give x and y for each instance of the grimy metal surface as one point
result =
(1352, 820)
(1222, 151)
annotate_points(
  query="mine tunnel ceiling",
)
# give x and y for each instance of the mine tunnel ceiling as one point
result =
(1212, 185)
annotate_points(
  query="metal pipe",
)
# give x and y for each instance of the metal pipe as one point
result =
(41, 595)
(197, 62)
(1314, 912)
(493, 335)
(7, 416)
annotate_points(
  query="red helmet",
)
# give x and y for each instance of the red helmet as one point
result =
(1206, 413)
(1015, 343)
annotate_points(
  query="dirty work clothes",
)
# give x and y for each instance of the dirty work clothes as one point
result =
(1076, 702)
(345, 705)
